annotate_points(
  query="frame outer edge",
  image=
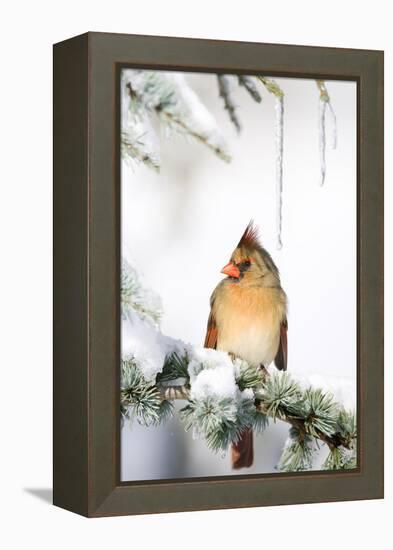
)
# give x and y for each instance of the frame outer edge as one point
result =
(70, 272)
(371, 268)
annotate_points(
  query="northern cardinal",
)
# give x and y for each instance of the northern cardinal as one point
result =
(248, 318)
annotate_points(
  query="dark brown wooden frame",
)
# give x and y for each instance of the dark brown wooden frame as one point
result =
(86, 274)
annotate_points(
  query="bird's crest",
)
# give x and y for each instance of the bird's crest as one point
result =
(250, 236)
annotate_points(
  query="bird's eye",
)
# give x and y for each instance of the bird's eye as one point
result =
(243, 266)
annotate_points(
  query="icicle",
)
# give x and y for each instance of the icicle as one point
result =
(334, 126)
(324, 101)
(272, 87)
(279, 137)
(322, 138)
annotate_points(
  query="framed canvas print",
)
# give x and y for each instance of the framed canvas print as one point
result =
(218, 274)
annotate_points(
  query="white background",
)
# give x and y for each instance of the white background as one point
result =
(179, 228)
(28, 29)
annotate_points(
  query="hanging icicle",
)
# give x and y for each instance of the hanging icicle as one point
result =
(272, 87)
(324, 102)
(322, 139)
(279, 137)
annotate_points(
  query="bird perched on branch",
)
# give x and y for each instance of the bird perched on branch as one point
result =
(248, 318)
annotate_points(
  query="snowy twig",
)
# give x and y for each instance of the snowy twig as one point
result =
(335, 440)
(249, 84)
(135, 149)
(202, 138)
(224, 87)
(167, 95)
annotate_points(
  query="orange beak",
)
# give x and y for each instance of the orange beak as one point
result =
(231, 270)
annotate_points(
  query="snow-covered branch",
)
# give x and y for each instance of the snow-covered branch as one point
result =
(249, 83)
(169, 99)
(225, 90)
(223, 395)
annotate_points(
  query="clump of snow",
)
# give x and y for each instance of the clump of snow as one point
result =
(149, 347)
(213, 374)
(218, 382)
(206, 358)
(248, 393)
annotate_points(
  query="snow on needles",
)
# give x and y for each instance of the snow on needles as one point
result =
(213, 374)
(147, 345)
(217, 382)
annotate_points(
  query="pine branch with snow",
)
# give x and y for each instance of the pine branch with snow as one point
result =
(137, 298)
(249, 83)
(167, 98)
(224, 396)
(142, 398)
(225, 91)
(299, 452)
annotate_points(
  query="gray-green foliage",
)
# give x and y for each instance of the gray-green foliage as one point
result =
(298, 452)
(321, 412)
(142, 398)
(221, 420)
(174, 367)
(340, 458)
(248, 376)
(280, 395)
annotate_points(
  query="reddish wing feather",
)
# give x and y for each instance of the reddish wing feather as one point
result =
(212, 332)
(281, 359)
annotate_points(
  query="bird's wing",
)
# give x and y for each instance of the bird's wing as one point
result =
(281, 359)
(211, 332)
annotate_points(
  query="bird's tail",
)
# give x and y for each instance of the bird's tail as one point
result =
(243, 450)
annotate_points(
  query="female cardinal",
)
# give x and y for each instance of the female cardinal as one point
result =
(248, 318)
